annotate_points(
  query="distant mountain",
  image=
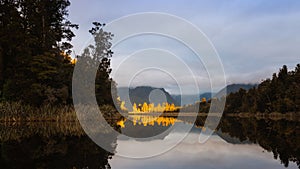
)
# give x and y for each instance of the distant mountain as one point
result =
(191, 99)
(207, 95)
(140, 94)
(186, 99)
(234, 88)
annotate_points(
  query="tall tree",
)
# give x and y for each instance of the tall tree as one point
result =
(35, 36)
(98, 55)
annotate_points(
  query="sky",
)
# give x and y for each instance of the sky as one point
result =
(253, 38)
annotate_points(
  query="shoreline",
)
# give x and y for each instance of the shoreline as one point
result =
(71, 116)
(272, 116)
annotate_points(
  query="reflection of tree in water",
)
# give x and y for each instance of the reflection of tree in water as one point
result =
(280, 137)
(144, 126)
(70, 149)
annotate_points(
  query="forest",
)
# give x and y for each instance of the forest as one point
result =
(279, 94)
(35, 63)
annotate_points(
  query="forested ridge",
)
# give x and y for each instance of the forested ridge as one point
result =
(279, 94)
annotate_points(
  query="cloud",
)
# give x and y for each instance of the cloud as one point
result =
(253, 38)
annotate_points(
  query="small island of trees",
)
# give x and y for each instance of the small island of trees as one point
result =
(151, 107)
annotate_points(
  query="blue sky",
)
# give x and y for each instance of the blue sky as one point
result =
(253, 38)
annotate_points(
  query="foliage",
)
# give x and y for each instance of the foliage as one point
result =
(35, 66)
(201, 107)
(151, 107)
(279, 94)
(35, 63)
(97, 56)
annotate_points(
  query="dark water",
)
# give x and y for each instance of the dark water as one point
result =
(237, 143)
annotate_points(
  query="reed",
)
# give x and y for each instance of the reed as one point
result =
(16, 112)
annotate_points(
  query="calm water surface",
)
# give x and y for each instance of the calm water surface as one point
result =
(237, 143)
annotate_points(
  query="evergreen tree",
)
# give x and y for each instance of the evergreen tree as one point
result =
(34, 64)
(279, 94)
(98, 56)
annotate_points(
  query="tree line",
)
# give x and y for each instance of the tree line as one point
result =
(35, 63)
(280, 94)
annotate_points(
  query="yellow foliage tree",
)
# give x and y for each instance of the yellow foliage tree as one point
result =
(159, 108)
(167, 106)
(172, 107)
(139, 108)
(123, 106)
(134, 108)
(145, 107)
(151, 107)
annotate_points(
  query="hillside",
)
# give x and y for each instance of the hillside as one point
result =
(232, 88)
(191, 99)
(279, 94)
(140, 94)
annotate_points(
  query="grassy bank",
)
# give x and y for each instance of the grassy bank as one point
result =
(16, 112)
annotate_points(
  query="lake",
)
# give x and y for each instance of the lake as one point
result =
(236, 143)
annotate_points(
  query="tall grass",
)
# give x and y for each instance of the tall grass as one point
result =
(16, 111)
(19, 130)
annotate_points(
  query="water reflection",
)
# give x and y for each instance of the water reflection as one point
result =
(215, 153)
(281, 137)
(148, 120)
(143, 126)
(278, 139)
(237, 143)
(50, 145)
